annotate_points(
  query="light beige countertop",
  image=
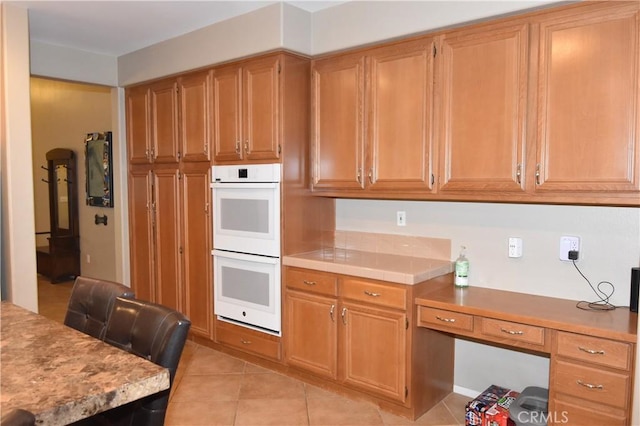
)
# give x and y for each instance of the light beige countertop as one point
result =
(379, 266)
(62, 375)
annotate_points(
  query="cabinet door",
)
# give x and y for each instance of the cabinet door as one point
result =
(195, 105)
(164, 122)
(374, 350)
(141, 233)
(400, 110)
(167, 238)
(138, 125)
(261, 130)
(196, 248)
(483, 78)
(588, 101)
(337, 119)
(312, 333)
(227, 114)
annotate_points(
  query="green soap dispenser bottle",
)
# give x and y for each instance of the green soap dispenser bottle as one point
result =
(462, 270)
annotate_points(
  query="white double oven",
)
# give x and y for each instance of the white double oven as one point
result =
(246, 241)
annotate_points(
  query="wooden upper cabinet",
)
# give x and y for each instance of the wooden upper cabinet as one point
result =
(337, 119)
(482, 109)
(260, 87)
(195, 105)
(138, 125)
(164, 122)
(227, 113)
(588, 101)
(400, 100)
(246, 107)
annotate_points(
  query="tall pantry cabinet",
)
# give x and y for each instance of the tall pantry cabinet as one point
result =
(168, 135)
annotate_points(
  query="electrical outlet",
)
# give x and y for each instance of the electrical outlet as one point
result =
(515, 247)
(567, 244)
(401, 218)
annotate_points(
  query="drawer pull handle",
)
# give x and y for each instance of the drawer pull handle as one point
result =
(344, 316)
(333, 307)
(589, 385)
(245, 342)
(309, 282)
(445, 319)
(591, 351)
(512, 332)
(372, 294)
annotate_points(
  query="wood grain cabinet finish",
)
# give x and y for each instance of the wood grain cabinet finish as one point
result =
(482, 109)
(372, 119)
(246, 110)
(152, 123)
(590, 379)
(169, 195)
(360, 334)
(337, 122)
(588, 98)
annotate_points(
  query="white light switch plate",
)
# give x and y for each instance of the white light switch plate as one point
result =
(515, 247)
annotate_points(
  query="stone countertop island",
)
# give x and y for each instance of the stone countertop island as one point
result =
(62, 375)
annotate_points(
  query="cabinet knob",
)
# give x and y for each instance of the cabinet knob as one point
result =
(343, 314)
(238, 147)
(538, 174)
(246, 146)
(371, 175)
(333, 307)
(245, 342)
(309, 282)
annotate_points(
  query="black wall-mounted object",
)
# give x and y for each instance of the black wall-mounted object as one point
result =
(99, 168)
(635, 289)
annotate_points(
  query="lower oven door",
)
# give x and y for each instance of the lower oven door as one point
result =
(247, 290)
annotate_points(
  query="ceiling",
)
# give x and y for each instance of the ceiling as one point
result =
(119, 27)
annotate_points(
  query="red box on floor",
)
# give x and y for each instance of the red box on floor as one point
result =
(475, 410)
(498, 414)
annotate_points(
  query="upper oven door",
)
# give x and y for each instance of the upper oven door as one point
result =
(247, 217)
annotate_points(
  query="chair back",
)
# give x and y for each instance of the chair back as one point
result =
(91, 303)
(156, 333)
(18, 417)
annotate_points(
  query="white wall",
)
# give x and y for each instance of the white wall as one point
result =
(610, 247)
(18, 231)
(361, 22)
(64, 63)
(248, 34)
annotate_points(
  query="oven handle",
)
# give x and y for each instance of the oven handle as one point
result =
(246, 257)
(246, 185)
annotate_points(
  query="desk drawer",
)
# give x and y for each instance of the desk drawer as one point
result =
(513, 332)
(592, 384)
(308, 280)
(444, 320)
(593, 349)
(377, 294)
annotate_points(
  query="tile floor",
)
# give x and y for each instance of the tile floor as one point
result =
(212, 388)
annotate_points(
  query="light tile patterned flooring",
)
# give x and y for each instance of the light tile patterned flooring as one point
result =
(212, 388)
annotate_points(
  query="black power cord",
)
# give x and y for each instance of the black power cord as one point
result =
(603, 303)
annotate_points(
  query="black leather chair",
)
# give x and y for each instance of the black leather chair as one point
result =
(156, 333)
(18, 417)
(91, 303)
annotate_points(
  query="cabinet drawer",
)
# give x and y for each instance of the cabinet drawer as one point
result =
(512, 331)
(377, 294)
(308, 280)
(444, 320)
(592, 384)
(249, 341)
(567, 413)
(592, 349)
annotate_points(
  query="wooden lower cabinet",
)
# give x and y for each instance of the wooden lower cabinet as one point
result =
(590, 380)
(361, 335)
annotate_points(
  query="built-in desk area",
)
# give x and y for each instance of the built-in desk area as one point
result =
(591, 352)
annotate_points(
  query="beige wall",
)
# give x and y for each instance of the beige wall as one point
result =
(62, 114)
